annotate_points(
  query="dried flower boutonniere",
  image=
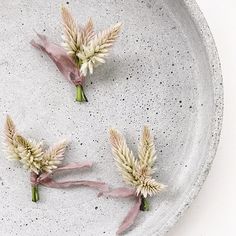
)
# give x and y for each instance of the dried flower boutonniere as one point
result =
(135, 172)
(81, 51)
(42, 164)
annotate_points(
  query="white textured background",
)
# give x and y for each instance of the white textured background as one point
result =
(213, 213)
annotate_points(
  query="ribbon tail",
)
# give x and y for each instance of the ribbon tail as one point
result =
(131, 217)
(54, 51)
(75, 165)
(71, 166)
(59, 56)
(101, 186)
(119, 192)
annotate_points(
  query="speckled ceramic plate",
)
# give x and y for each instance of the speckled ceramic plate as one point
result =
(164, 71)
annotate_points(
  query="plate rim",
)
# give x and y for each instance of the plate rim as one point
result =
(206, 35)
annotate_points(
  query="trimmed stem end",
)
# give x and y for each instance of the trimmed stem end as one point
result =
(80, 95)
(144, 204)
(35, 193)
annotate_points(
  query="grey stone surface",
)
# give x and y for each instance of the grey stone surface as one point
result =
(164, 72)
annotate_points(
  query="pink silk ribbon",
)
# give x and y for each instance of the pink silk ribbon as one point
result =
(133, 212)
(46, 179)
(59, 56)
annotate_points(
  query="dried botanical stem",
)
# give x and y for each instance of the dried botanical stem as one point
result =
(82, 51)
(136, 173)
(42, 164)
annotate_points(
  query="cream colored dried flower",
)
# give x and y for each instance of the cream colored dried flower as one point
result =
(30, 153)
(53, 157)
(94, 53)
(87, 33)
(87, 49)
(147, 152)
(10, 143)
(72, 35)
(136, 172)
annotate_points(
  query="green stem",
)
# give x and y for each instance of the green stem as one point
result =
(35, 193)
(144, 204)
(80, 96)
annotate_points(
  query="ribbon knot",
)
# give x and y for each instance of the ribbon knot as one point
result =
(34, 179)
